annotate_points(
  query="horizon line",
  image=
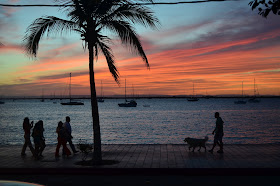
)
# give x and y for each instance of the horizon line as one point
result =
(139, 96)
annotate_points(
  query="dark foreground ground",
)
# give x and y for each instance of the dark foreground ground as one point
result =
(148, 165)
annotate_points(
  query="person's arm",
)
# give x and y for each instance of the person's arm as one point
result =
(70, 129)
(214, 130)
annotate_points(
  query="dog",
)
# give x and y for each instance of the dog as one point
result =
(193, 143)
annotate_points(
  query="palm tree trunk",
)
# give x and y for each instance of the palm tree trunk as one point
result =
(97, 157)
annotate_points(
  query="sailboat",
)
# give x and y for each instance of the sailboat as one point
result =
(254, 99)
(54, 98)
(207, 96)
(193, 98)
(101, 100)
(241, 101)
(71, 102)
(131, 103)
(42, 100)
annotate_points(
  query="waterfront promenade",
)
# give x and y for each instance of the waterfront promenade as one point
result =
(150, 160)
(152, 156)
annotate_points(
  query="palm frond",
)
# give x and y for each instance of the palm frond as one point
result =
(77, 11)
(107, 52)
(96, 52)
(104, 8)
(43, 25)
(135, 14)
(128, 37)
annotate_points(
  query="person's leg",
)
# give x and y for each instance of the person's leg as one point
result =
(72, 146)
(214, 145)
(37, 148)
(67, 151)
(24, 146)
(221, 146)
(63, 149)
(57, 147)
(30, 146)
(42, 147)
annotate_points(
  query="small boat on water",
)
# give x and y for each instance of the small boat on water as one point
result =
(71, 102)
(131, 103)
(2, 102)
(101, 100)
(193, 98)
(241, 101)
(254, 99)
(42, 99)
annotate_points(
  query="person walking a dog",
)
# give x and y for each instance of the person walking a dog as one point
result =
(67, 126)
(219, 133)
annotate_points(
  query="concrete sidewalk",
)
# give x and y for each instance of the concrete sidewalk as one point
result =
(152, 156)
(159, 164)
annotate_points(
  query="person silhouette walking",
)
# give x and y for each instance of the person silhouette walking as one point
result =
(27, 126)
(68, 129)
(61, 139)
(219, 133)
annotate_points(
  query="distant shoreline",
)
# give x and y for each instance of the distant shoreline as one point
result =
(137, 97)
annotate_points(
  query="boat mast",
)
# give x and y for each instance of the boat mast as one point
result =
(101, 90)
(125, 89)
(42, 95)
(254, 88)
(242, 89)
(193, 89)
(70, 88)
(132, 91)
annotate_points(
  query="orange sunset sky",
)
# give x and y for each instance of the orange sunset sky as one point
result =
(214, 46)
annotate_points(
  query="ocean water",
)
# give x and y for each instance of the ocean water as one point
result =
(166, 121)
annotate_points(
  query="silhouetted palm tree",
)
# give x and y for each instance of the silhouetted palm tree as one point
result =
(89, 18)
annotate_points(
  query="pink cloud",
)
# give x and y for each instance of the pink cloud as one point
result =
(11, 48)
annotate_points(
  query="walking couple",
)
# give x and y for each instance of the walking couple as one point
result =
(64, 132)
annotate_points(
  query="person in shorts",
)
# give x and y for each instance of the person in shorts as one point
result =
(27, 126)
(219, 133)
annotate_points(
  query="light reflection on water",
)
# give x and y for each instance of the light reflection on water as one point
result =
(166, 121)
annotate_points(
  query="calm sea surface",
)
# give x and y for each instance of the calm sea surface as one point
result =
(166, 121)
